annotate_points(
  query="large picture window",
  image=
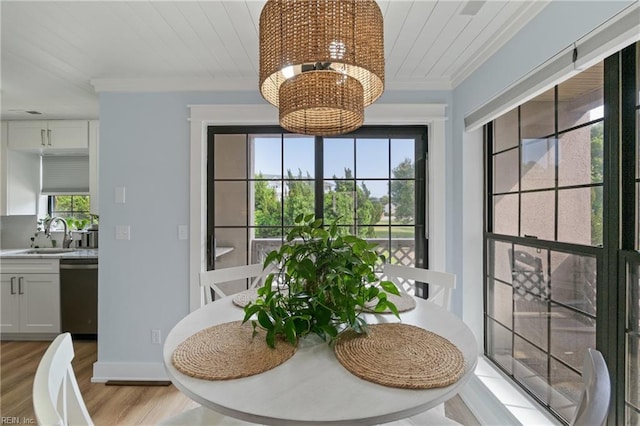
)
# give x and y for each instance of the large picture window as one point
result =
(562, 187)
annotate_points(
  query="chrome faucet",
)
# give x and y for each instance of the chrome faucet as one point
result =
(66, 241)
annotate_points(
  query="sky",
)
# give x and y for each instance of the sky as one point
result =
(371, 157)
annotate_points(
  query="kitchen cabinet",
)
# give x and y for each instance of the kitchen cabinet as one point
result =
(49, 136)
(29, 296)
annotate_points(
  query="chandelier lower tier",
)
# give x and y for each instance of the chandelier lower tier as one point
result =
(321, 62)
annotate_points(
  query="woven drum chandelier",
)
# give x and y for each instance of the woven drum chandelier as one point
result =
(321, 62)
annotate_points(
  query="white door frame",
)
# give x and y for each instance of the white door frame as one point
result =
(203, 116)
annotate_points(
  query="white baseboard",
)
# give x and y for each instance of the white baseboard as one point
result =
(495, 400)
(128, 371)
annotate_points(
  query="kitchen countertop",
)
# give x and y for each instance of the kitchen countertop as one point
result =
(22, 254)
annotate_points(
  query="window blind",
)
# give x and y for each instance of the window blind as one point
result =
(65, 175)
(620, 31)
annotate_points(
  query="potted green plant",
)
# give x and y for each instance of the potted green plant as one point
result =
(322, 284)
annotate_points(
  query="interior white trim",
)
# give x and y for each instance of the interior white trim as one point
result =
(618, 32)
(231, 84)
(202, 116)
(129, 371)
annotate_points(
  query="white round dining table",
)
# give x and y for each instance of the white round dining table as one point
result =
(312, 387)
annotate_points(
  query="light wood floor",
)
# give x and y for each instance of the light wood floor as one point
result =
(110, 405)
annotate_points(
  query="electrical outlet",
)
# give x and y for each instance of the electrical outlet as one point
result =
(156, 336)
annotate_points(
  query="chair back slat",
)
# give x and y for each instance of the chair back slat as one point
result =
(211, 279)
(440, 283)
(56, 396)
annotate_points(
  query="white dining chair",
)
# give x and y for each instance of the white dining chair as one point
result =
(56, 396)
(440, 283)
(593, 406)
(211, 280)
(440, 286)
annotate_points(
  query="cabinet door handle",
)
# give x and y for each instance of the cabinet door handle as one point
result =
(49, 136)
(42, 137)
(20, 287)
(13, 285)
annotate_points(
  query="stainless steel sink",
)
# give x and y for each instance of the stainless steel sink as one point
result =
(50, 250)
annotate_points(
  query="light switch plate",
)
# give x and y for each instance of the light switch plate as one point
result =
(123, 232)
(183, 232)
(120, 194)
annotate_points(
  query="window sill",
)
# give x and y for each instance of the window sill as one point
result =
(495, 400)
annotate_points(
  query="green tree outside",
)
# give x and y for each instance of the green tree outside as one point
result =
(403, 192)
(339, 203)
(597, 142)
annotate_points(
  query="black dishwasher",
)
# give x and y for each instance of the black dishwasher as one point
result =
(79, 297)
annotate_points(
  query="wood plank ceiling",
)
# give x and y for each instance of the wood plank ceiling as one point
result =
(54, 54)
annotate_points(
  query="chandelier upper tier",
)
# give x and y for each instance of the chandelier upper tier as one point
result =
(321, 62)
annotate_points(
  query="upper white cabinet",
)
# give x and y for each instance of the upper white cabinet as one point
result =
(52, 135)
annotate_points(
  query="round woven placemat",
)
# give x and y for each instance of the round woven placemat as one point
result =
(228, 351)
(401, 356)
(405, 302)
(245, 297)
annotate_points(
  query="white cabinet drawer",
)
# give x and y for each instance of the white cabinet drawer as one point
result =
(30, 266)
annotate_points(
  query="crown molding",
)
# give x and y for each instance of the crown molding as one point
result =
(173, 84)
(231, 84)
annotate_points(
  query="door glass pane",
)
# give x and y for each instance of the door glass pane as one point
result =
(230, 156)
(232, 237)
(537, 214)
(299, 154)
(402, 158)
(505, 171)
(538, 163)
(505, 131)
(267, 202)
(339, 202)
(231, 203)
(580, 99)
(372, 159)
(580, 215)
(368, 201)
(537, 117)
(267, 156)
(299, 198)
(580, 156)
(403, 202)
(574, 281)
(339, 157)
